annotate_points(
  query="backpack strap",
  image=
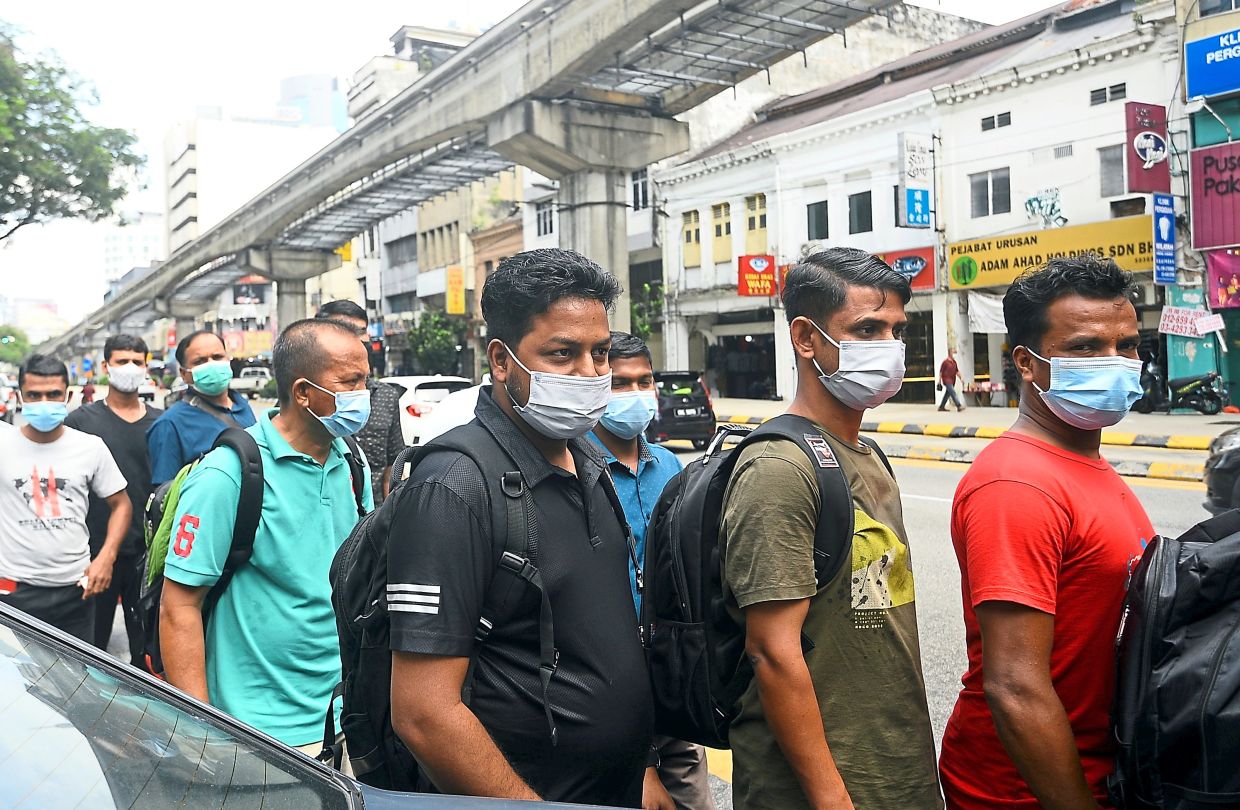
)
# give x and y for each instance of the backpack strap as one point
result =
(836, 521)
(249, 509)
(517, 558)
(357, 473)
(195, 401)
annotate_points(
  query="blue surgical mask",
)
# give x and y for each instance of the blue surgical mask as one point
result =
(629, 412)
(351, 414)
(45, 416)
(1091, 393)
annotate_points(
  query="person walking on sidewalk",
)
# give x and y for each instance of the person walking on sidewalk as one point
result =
(640, 471)
(190, 427)
(269, 655)
(1045, 532)
(949, 372)
(47, 472)
(121, 419)
(843, 724)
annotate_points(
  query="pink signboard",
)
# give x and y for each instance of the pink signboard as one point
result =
(1223, 267)
(1147, 144)
(1214, 174)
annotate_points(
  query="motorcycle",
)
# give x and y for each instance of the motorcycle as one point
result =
(1205, 393)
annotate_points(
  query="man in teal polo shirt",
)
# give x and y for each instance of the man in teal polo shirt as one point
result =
(270, 655)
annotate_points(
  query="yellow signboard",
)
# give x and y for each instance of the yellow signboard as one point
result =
(455, 293)
(996, 261)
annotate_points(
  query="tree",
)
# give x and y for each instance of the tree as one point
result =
(54, 163)
(14, 345)
(434, 341)
(645, 310)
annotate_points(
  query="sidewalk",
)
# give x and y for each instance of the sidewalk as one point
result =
(1191, 431)
(1156, 445)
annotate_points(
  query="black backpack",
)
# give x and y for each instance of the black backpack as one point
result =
(1177, 696)
(161, 509)
(698, 669)
(359, 590)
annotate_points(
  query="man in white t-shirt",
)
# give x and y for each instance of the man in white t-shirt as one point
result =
(47, 472)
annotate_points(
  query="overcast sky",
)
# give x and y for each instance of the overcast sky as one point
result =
(152, 63)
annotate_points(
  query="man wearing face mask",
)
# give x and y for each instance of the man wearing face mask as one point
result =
(274, 667)
(1045, 532)
(576, 728)
(121, 420)
(640, 471)
(840, 722)
(47, 473)
(190, 427)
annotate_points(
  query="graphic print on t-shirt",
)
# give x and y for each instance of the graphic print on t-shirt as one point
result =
(43, 493)
(881, 576)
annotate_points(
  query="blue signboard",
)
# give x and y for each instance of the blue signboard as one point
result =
(917, 204)
(87, 364)
(1164, 239)
(1212, 65)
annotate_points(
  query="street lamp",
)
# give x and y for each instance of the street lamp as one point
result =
(1197, 104)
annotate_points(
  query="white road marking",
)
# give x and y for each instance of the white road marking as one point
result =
(934, 498)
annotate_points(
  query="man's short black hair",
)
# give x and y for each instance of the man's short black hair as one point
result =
(124, 343)
(183, 346)
(297, 353)
(1031, 295)
(342, 309)
(525, 285)
(624, 346)
(818, 285)
(42, 365)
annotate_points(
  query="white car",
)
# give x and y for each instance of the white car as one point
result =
(148, 390)
(421, 396)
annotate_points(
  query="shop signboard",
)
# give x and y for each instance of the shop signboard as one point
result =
(1188, 354)
(996, 261)
(454, 291)
(1181, 321)
(755, 276)
(1164, 239)
(916, 177)
(1223, 270)
(915, 264)
(1214, 194)
(1148, 168)
(1212, 64)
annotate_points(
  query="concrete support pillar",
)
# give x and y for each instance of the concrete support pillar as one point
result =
(594, 222)
(290, 301)
(785, 358)
(675, 341)
(994, 346)
(591, 150)
(289, 269)
(184, 327)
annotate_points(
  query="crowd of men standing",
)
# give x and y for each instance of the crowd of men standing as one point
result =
(1042, 527)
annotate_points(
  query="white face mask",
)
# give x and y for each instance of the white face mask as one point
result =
(870, 372)
(126, 378)
(562, 406)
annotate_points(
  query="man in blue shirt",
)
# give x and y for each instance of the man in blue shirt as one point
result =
(640, 471)
(269, 655)
(190, 427)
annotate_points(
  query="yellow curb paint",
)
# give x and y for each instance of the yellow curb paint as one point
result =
(990, 432)
(891, 427)
(1119, 439)
(1188, 442)
(738, 419)
(1176, 472)
(943, 430)
(719, 763)
(927, 453)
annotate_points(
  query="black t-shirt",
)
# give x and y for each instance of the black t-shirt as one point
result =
(127, 443)
(600, 692)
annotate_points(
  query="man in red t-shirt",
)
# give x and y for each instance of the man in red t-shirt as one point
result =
(949, 371)
(1045, 531)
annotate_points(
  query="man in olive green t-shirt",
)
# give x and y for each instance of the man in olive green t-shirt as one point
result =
(844, 724)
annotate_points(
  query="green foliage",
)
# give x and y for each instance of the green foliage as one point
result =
(14, 345)
(433, 342)
(645, 310)
(54, 163)
(269, 389)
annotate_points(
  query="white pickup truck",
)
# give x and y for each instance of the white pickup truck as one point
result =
(251, 382)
